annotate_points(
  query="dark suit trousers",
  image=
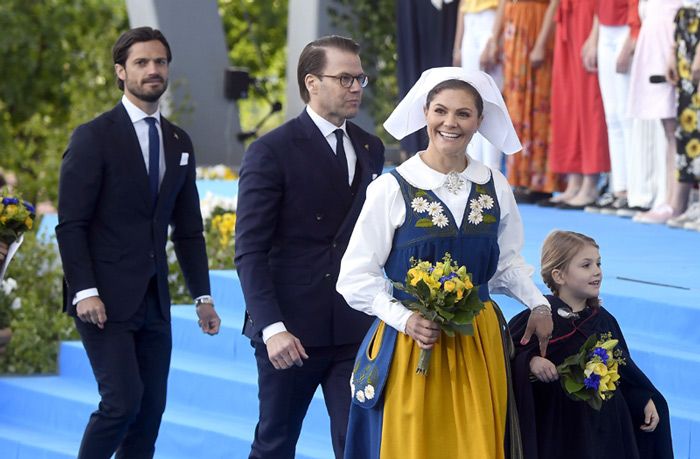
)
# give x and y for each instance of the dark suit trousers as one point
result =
(130, 361)
(285, 396)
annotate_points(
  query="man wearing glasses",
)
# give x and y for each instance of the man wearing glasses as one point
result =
(300, 192)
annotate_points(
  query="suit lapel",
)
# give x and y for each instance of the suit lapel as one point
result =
(130, 151)
(172, 156)
(321, 154)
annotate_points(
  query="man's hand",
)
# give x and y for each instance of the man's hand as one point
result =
(285, 350)
(425, 332)
(91, 310)
(651, 417)
(3, 252)
(540, 324)
(209, 320)
(543, 369)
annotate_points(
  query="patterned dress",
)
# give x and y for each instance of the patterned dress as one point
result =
(687, 37)
(527, 92)
(458, 409)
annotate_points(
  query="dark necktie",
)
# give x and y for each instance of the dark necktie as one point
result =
(153, 157)
(340, 154)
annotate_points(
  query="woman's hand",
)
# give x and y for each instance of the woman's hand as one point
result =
(543, 369)
(671, 71)
(537, 56)
(589, 55)
(651, 417)
(425, 332)
(489, 56)
(540, 324)
(3, 252)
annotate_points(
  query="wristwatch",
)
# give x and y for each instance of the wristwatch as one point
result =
(204, 299)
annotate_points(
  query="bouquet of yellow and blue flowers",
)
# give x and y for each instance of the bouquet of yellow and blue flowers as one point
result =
(16, 217)
(445, 294)
(592, 375)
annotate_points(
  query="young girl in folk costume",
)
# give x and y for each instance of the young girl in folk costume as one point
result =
(441, 200)
(634, 423)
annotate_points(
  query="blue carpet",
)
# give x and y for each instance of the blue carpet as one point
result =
(650, 284)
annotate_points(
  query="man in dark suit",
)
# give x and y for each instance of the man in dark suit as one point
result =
(126, 176)
(300, 192)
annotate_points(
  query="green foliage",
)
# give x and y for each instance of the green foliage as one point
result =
(256, 36)
(38, 324)
(55, 75)
(372, 23)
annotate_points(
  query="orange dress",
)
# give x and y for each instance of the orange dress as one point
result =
(527, 94)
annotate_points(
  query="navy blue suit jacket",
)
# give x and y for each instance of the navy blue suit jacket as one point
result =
(108, 234)
(294, 219)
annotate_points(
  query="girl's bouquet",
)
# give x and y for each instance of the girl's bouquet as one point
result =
(592, 375)
(16, 217)
(445, 294)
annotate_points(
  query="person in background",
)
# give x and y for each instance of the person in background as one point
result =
(473, 36)
(527, 30)
(579, 145)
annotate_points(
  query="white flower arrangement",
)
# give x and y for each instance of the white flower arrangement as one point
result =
(212, 201)
(477, 206)
(420, 205)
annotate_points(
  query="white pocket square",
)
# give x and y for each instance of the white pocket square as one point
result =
(184, 159)
(374, 176)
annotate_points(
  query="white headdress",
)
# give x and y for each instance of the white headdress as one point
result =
(496, 126)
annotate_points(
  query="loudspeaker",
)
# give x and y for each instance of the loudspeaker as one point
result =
(236, 83)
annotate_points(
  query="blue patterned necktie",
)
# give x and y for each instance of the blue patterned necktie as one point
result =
(153, 157)
(340, 154)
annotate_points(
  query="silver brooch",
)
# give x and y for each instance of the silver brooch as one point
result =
(454, 182)
(567, 313)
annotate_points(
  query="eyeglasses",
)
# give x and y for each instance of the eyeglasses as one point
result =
(346, 81)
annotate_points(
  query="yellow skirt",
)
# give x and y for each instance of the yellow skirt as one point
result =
(457, 410)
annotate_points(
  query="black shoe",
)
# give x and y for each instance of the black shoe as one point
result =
(604, 201)
(567, 206)
(617, 204)
(526, 196)
(547, 203)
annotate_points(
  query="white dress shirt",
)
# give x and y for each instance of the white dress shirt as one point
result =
(328, 132)
(362, 281)
(136, 115)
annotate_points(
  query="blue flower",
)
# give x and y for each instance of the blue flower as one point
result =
(29, 207)
(592, 382)
(601, 353)
(8, 201)
(452, 275)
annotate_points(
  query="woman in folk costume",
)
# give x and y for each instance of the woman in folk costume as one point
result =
(458, 409)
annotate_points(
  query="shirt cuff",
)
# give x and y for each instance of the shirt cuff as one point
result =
(87, 293)
(272, 329)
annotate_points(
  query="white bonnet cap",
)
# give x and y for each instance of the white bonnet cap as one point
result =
(496, 125)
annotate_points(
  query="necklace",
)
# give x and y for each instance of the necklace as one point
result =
(454, 182)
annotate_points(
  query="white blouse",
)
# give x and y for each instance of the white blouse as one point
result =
(362, 281)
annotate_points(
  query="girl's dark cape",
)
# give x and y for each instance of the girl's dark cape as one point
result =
(635, 389)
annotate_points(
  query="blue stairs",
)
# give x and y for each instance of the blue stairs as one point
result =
(212, 398)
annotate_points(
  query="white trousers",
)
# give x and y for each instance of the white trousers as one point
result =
(614, 88)
(477, 30)
(646, 184)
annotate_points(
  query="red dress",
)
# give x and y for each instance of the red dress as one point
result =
(579, 133)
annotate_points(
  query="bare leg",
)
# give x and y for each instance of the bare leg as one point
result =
(573, 185)
(588, 191)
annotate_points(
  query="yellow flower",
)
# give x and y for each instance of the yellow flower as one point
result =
(695, 100)
(28, 222)
(460, 293)
(3, 219)
(599, 369)
(11, 210)
(683, 68)
(689, 120)
(693, 148)
(468, 284)
(449, 286)
(608, 345)
(693, 26)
